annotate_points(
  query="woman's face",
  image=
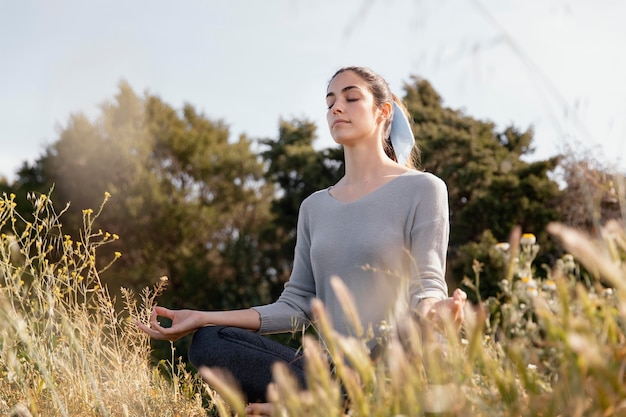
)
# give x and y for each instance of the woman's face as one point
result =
(352, 113)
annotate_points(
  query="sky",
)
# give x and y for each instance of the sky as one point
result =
(557, 66)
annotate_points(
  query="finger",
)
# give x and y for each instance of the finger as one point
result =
(151, 332)
(154, 317)
(156, 326)
(163, 312)
(259, 409)
(459, 295)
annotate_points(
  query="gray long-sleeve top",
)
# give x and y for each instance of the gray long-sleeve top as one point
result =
(387, 246)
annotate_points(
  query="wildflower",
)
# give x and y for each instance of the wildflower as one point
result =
(549, 285)
(88, 212)
(118, 255)
(163, 279)
(531, 291)
(502, 246)
(528, 239)
(569, 265)
(528, 282)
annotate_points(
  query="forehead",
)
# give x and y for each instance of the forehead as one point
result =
(346, 79)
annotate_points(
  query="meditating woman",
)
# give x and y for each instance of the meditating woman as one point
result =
(382, 229)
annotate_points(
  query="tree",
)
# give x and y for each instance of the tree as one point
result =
(297, 170)
(185, 201)
(491, 188)
(592, 191)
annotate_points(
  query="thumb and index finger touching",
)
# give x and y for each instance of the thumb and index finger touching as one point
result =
(154, 328)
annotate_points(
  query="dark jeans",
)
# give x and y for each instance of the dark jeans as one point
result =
(246, 355)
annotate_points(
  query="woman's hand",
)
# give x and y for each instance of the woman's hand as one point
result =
(183, 323)
(259, 409)
(444, 311)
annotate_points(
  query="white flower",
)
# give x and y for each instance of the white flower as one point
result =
(549, 285)
(502, 246)
(528, 239)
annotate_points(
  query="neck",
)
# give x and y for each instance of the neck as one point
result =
(364, 164)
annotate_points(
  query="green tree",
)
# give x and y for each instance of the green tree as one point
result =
(185, 201)
(491, 187)
(297, 170)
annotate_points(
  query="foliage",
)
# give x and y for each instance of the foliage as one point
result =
(186, 202)
(591, 194)
(297, 170)
(219, 219)
(64, 348)
(491, 188)
(191, 203)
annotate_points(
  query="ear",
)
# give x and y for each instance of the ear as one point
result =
(386, 111)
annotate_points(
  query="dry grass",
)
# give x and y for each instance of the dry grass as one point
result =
(64, 349)
(553, 347)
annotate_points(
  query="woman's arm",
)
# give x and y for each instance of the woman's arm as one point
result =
(187, 321)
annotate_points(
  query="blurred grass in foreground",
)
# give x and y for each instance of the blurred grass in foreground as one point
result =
(552, 347)
(64, 349)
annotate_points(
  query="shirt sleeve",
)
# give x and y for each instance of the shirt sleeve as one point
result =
(429, 243)
(292, 310)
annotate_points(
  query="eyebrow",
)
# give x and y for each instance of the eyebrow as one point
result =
(343, 90)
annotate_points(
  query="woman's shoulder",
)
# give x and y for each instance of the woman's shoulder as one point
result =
(423, 180)
(315, 197)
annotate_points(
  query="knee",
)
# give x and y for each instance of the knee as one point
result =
(201, 345)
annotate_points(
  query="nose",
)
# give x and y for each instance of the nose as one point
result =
(337, 109)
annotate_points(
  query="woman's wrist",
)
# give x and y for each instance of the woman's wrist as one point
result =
(424, 306)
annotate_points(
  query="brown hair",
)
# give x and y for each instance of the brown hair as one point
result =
(381, 91)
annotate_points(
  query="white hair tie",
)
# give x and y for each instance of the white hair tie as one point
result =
(401, 135)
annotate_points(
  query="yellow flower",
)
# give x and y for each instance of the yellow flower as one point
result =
(118, 255)
(528, 239)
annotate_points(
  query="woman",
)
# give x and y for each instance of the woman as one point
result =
(382, 226)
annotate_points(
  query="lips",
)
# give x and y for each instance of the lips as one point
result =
(339, 121)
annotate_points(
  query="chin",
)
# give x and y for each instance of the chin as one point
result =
(342, 139)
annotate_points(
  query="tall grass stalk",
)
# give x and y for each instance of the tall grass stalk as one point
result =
(64, 349)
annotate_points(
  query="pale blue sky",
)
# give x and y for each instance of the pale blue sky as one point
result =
(557, 65)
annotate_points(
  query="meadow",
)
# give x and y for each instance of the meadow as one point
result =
(553, 346)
